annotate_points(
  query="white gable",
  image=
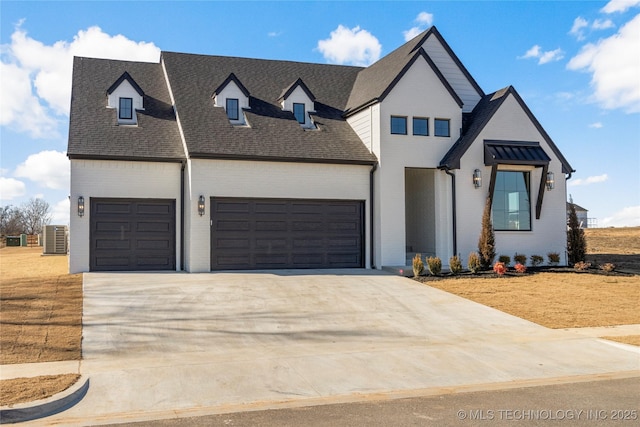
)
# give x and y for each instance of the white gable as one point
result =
(454, 75)
(125, 90)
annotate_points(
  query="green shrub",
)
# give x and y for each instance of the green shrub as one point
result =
(455, 265)
(418, 265)
(520, 258)
(505, 259)
(554, 258)
(434, 264)
(536, 260)
(487, 240)
(473, 262)
(576, 241)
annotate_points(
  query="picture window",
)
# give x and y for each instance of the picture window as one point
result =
(421, 126)
(398, 125)
(441, 127)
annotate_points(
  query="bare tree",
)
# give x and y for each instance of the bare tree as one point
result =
(35, 214)
(10, 221)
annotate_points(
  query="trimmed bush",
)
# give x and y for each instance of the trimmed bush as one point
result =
(418, 265)
(455, 265)
(473, 262)
(520, 258)
(582, 266)
(554, 258)
(505, 259)
(536, 260)
(434, 264)
(607, 267)
(520, 268)
(499, 268)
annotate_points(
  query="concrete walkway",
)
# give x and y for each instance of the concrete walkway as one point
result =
(166, 345)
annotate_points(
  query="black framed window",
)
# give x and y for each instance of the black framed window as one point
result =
(125, 110)
(298, 112)
(398, 125)
(421, 126)
(441, 127)
(511, 207)
(233, 112)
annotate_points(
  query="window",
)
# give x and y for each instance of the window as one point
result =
(298, 111)
(421, 126)
(125, 111)
(511, 207)
(441, 127)
(398, 125)
(232, 109)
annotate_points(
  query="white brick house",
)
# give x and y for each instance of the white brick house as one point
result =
(204, 163)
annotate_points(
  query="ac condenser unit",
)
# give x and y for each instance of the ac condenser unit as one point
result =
(55, 239)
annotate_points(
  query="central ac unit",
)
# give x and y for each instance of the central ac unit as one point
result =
(55, 239)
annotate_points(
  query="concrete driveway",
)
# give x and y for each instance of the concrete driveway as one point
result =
(162, 345)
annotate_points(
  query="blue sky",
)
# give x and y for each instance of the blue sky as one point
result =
(575, 63)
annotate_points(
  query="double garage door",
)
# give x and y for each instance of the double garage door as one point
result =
(286, 233)
(132, 234)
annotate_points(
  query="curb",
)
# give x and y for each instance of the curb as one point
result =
(28, 411)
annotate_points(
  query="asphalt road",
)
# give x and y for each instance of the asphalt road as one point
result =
(596, 403)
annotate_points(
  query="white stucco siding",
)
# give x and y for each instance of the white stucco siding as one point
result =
(226, 178)
(118, 179)
(454, 75)
(419, 93)
(548, 234)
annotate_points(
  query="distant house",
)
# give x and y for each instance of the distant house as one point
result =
(581, 213)
(203, 163)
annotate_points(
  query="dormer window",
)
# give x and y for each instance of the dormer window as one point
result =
(126, 97)
(298, 112)
(234, 98)
(125, 110)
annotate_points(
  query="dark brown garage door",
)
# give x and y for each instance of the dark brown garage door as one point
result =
(286, 233)
(132, 234)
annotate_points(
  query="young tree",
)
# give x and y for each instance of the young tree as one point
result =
(576, 242)
(487, 240)
(35, 214)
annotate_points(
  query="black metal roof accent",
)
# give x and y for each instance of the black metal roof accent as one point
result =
(232, 78)
(127, 77)
(514, 153)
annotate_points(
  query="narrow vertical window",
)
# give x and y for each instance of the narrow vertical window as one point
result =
(298, 112)
(398, 125)
(421, 126)
(232, 109)
(125, 110)
(441, 127)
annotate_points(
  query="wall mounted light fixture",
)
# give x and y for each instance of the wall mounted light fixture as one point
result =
(80, 206)
(477, 178)
(550, 181)
(201, 205)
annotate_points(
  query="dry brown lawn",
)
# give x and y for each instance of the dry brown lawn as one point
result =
(41, 305)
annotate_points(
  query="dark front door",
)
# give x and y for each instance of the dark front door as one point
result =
(286, 233)
(132, 234)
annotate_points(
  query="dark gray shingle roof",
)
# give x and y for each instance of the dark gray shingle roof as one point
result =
(93, 129)
(272, 133)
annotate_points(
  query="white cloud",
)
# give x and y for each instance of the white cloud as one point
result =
(543, 57)
(627, 217)
(424, 20)
(40, 74)
(600, 24)
(274, 33)
(596, 125)
(50, 169)
(589, 180)
(353, 46)
(578, 25)
(11, 188)
(614, 70)
(60, 212)
(619, 6)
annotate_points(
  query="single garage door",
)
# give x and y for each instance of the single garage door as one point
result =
(286, 233)
(132, 234)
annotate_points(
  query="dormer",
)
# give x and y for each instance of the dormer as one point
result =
(234, 98)
(298, 99)
(126, 97)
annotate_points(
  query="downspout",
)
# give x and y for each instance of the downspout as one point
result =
(371, 227)
(453, 208)
(183, 163)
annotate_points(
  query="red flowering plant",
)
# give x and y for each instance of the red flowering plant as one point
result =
(499, 268)
(520, 268)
